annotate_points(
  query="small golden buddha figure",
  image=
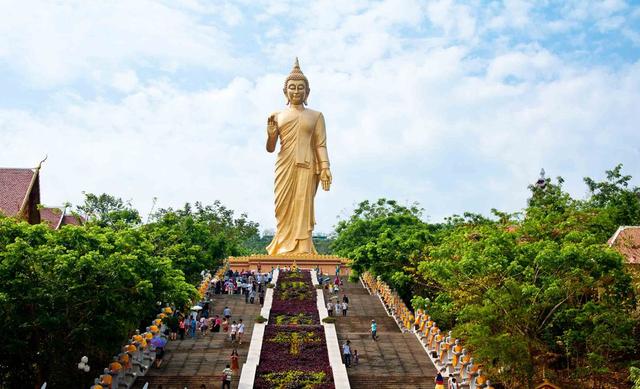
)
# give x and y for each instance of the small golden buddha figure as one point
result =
(437, 339)
(481, 379)
(472, 370)
(302, 163)
(428, 326)
(423, 323)
(457, 351)
(432, 335)
(444, 349)
(467, 363)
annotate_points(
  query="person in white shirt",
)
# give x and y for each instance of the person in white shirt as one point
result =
(345, 306)
(227, 375)
(240, 331)
(234, 331)
(346, 352)
(330, 308)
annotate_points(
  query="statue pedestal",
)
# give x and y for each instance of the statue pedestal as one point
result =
(326, 263)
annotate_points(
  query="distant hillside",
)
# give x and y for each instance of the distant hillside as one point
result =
(257, 245)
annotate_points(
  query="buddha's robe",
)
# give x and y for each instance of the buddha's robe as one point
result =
(302, 155)
(457, 351)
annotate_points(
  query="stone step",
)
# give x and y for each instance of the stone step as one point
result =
(361, 324)
(182, 382)
(349, 290)
(193, 362)
(395, 360)
(367, 381)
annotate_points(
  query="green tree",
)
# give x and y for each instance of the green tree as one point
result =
(617, 203)
(634, 376)
(526, 291)
(107, 210)
(386, 238)
(199, 237)
(77, 291)
(539, 292)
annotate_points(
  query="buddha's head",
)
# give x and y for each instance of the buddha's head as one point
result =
(296, 86)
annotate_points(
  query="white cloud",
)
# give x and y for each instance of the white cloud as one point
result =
(125, 81)
(456, 20)
(525, 66)
(52, 43)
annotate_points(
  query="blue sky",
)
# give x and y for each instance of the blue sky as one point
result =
(454, 105)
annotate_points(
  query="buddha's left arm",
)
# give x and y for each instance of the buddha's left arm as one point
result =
(321, 143)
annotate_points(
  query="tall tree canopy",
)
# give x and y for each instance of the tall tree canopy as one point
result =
(199, 237)
(82, 290)
(527, 291)
(107, 210)
(77, 291)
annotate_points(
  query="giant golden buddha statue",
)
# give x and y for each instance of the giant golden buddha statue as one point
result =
(302, 163)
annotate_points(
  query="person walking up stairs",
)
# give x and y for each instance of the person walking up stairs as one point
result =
(388, 358)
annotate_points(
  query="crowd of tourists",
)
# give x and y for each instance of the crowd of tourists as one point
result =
(146, 349)
(337, 308)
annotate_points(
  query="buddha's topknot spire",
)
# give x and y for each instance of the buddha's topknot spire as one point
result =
(296, 73)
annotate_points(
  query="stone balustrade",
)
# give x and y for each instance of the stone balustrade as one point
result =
(139, 354)
(445, 351)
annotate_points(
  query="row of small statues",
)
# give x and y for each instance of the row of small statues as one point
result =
(139, 353)
(446, 352)
(134, 361)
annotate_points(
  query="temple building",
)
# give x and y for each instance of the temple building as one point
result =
(20, 198)
(20, 193)
(56, 217)
(627, 241)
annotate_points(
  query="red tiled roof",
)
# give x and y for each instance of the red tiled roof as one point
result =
(71, 219)
(14, 185)
(52, 216)
(627, 241)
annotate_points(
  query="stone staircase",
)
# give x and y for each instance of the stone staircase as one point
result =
(395, 360)
(191, 363)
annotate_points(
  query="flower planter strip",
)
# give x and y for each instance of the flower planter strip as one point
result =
(294, 350)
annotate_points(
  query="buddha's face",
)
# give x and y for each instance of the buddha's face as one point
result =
(296, 91)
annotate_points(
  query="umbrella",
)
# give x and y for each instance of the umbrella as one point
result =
(159, 341)
(196, 308)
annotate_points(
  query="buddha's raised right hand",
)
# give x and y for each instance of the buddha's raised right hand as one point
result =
(272, 124)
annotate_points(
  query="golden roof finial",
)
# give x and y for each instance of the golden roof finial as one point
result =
(41, 162)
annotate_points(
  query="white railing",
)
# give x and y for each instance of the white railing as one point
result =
(248, 374)
(340, 378)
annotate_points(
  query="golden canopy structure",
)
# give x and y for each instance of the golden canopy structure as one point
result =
(302, 163)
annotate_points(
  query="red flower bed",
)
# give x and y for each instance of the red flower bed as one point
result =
(294, 356)
(294, 307)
